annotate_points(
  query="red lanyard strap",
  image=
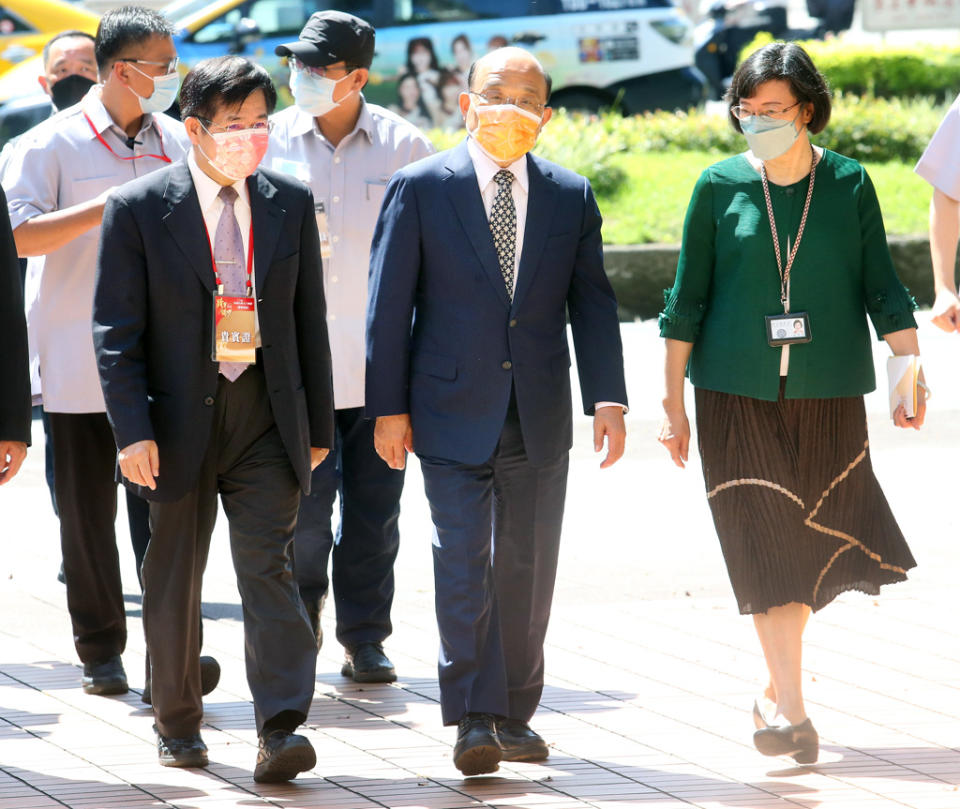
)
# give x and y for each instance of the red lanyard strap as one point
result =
(213, 261)
(785, 272)
(162, 156)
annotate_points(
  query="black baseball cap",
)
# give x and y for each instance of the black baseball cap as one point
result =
(332, 36)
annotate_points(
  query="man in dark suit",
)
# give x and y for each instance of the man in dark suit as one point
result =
(14, 366)
(478, 255)
(215, 237)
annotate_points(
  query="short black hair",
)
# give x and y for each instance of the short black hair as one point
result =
(473, 71)
(224, 81)
(788, 62)
(64, 35)
(126, 26)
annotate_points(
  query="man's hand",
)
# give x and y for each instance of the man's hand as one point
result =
(317, 456)
(393, 439)
(946, 310)
(12, 454)
(140, 463)
(608, 422)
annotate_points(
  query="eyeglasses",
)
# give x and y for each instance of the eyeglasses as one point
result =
(295, 64)
(169, 67)
(259, 126)
(494, 98)
(773, 111)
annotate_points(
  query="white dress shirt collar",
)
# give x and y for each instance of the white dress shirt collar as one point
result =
(208, 189)
(487, 168)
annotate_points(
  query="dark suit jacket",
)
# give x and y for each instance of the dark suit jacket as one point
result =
(444, 341)
(152, 320)
(14, 363)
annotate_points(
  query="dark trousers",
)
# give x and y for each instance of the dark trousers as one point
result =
(367, 538)
(85, 458)
(246, 463)
(496, 541)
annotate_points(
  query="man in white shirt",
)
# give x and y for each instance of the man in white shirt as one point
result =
(57, 181)
(346, 150)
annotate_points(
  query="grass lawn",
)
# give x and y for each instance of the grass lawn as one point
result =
(650, 205)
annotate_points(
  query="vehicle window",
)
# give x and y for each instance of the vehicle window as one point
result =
(276, 18)
(569, 6)
(10, 23)
(421, 11)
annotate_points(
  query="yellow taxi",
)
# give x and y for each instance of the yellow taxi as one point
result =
(26, 25)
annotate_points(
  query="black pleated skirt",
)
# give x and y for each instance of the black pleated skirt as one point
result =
(798, 510)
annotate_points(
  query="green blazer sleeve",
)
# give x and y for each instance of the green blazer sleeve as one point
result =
(686, 303)
(888, 302)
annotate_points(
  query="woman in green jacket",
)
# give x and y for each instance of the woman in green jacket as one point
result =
(784, 255)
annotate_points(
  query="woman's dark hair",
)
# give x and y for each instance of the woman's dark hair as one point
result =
(790, 63)
(225, 81)
(461, 38)
(427, 43)
(421, 107)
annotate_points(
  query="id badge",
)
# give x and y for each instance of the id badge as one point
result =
(322, 227)
(234, 325)
(788, 328)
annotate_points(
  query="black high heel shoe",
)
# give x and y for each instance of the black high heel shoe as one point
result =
(801, 742)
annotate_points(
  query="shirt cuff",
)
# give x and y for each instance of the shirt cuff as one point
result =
(598, 405)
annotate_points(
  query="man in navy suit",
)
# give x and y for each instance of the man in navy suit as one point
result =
(214, 256)
(479, 254)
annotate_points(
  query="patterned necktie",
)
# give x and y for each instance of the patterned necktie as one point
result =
(228, 254)
(503, 226)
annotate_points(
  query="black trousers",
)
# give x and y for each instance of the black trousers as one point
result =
(495, 549)
(85, 458)
(367, 538)
(246, 463)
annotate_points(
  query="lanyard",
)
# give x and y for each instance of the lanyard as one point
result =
(213, 261)
(162, 156)
(785, 273)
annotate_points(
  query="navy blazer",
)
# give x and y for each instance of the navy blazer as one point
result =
(14, 364)
(444, 341)
(153, 313)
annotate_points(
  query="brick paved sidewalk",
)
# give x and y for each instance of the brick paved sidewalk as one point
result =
(650, 671)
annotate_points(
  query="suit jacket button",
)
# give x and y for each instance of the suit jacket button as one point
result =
(208, 401)
(513, 323)
(506, 365)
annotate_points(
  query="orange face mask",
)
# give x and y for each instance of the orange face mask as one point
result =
(505, 132)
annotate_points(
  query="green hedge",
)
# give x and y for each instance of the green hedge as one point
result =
(885, 71)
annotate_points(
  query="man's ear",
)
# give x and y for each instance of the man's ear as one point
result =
(362, 76)
(45, 85)
(192, 125)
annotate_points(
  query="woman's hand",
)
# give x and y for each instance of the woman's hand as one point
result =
(675, 434)
(900, 414)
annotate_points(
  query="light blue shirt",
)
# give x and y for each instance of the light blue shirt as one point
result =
(56, 165)
(349, 181)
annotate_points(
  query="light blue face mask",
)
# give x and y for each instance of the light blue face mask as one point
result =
(313, 94)
(768, 138)
(165, 89)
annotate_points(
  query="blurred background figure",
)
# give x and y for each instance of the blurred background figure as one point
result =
(410, 102)
(462, 53)
(422, 63)
(449, 116)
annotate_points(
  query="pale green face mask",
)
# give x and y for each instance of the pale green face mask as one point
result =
(768, 138)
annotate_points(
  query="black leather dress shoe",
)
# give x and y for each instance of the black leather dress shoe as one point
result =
(801, 742)
(188, 751)
(209, 679)
(282, 755)
(519, 742)
(477, 750)
(368, 664)
(105, 677)
(314, 609)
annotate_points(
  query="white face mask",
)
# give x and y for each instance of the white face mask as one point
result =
(165, 89)
(768, 138)
(314, 94)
